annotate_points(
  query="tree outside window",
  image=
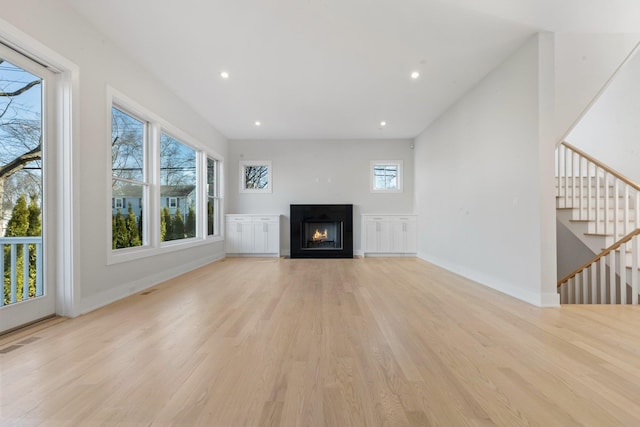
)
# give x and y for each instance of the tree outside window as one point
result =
(255, 176)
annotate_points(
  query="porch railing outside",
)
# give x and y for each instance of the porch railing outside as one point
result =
(20, 269)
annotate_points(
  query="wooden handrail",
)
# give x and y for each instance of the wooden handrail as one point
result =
(602, 254)
(602, 166)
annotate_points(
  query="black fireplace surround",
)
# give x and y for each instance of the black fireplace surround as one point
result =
(321, 231)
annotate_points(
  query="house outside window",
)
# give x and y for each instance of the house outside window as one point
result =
(128, 178)
(178, 183)
(165, 192)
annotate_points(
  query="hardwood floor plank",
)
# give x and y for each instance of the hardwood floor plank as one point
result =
(361, 342)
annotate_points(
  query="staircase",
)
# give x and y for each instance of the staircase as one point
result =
(602, 208)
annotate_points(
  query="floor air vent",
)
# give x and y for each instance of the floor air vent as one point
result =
(9, 349)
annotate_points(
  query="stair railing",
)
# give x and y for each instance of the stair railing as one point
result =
(605, 279)
(598, 192)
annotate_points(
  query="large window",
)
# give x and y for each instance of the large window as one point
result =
(178, 189)
(164, 190)
(129, 182)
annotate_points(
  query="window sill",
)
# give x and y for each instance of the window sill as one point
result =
(125, 255)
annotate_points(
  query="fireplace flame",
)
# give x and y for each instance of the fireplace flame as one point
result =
(318, 236)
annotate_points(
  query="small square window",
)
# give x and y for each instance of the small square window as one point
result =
(173, 202)
(386, 176)
(255, 176)
(118, 203)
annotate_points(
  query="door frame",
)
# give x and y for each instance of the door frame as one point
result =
(60, 187)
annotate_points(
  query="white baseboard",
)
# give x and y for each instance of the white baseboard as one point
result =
(533, 298)
(389, 255)
(127, 289)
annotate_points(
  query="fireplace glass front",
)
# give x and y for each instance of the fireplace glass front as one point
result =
(324, 235)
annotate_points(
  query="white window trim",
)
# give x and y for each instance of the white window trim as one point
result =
(172, 199)
(397, 163)
(243, 164)
(218, 196)
(158, 125)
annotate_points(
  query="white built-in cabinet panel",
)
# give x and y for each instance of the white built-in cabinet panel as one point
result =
(390, 234)
(253, 234)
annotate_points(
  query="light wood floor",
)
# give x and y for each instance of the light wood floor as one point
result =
(375, 342)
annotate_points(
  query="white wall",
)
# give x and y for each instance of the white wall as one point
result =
(583, 65)
(100, 64)
(320, 172)
(610, 130)
(484, 205)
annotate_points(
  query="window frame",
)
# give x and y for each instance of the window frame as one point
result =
(399, 180)
(132, 111)
(217, 198)
(243, 164)
(157, 126)
(183, 209)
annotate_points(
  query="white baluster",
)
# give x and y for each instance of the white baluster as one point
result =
(634, 270)
(594, 283)
(626, 210)
(637, 209)
(566, 176)
(603, 280)
(622, 272)
(581, 186)
(616, 213)
(606, 203)
(574, 187)
(612, 278)
(571, 284)
(598, 204)
(589, 189)
(25, 272)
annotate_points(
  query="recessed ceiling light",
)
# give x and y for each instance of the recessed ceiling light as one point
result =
(415, 75)
(257, 123)
(224, 75)
(383, 124)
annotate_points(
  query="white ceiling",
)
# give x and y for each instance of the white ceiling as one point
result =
(333, 69)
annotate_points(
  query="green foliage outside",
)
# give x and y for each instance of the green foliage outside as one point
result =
(127, 230)
(190, 225)
(25, 221)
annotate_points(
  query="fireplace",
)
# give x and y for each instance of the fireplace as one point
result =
(321, 231)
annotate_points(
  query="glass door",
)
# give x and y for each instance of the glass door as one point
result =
(24, 129)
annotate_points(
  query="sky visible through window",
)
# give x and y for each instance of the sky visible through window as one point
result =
(20, 134)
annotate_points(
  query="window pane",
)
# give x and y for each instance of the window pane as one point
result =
(127, 146)
(212, 201)
(385, 177)
(211, 178)
(20, 180)
(212, 212)
(126, 216)
(177, 189)
(256, 177)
